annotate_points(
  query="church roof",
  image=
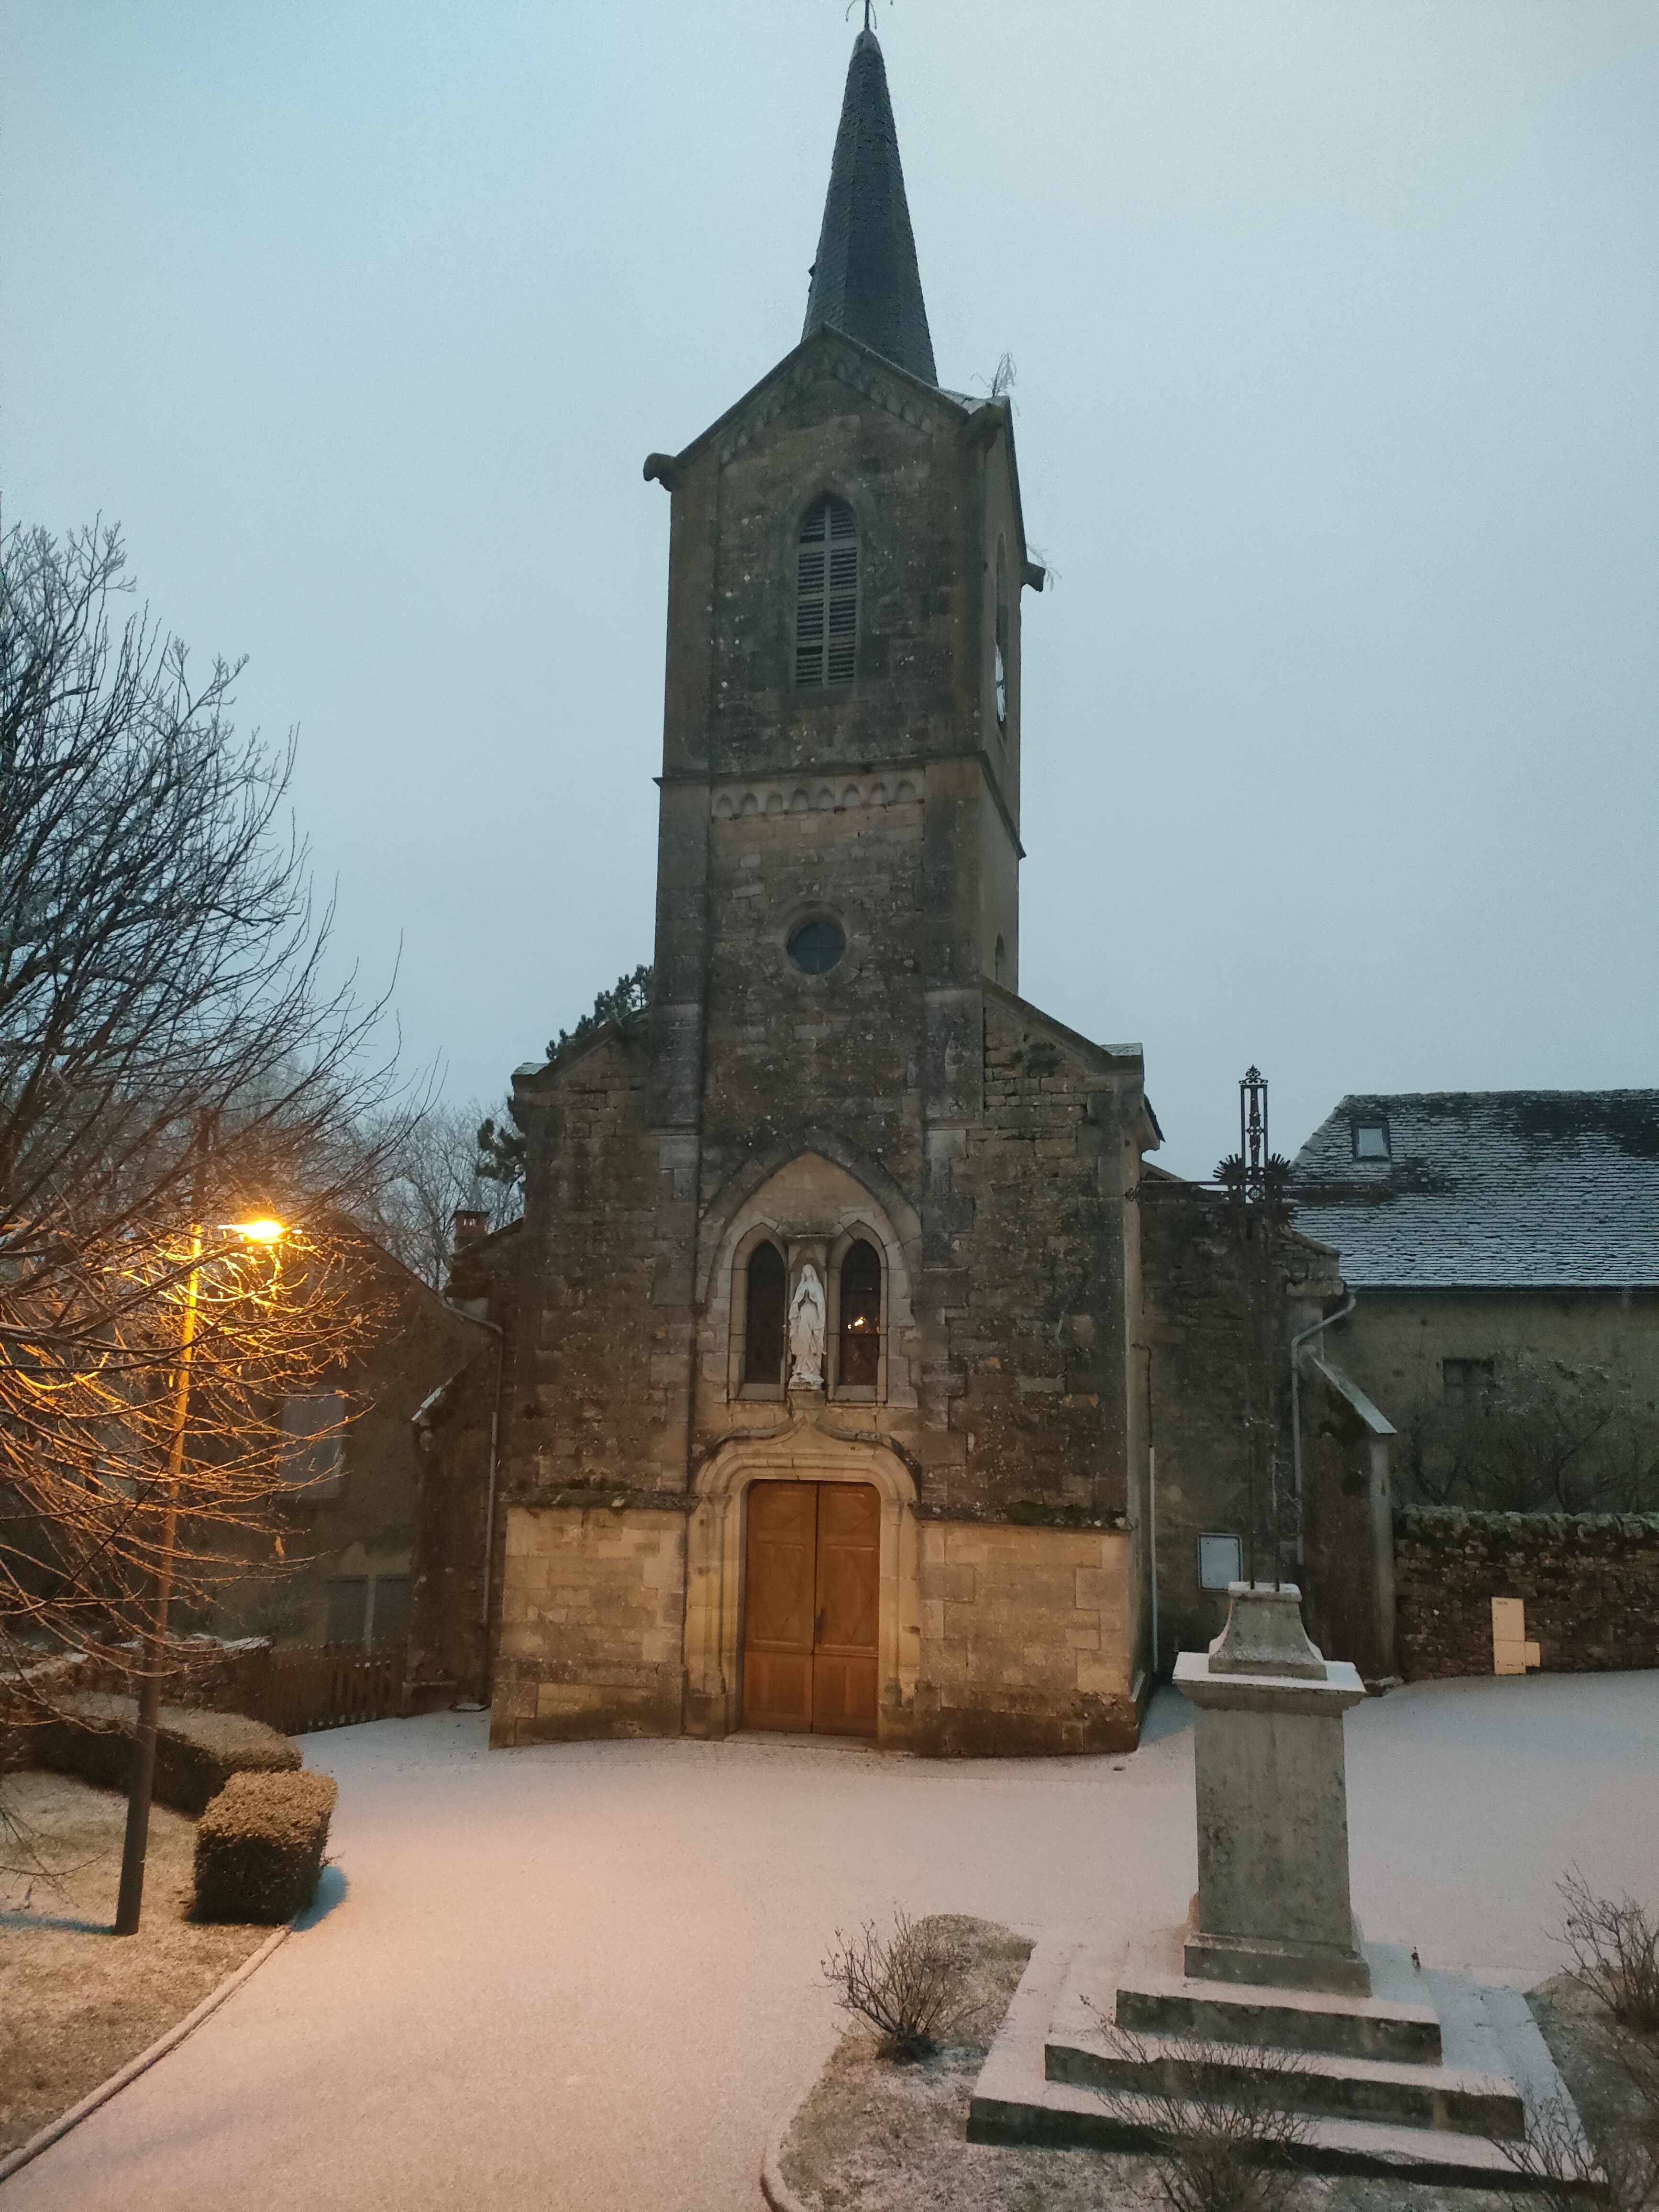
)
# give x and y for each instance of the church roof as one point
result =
(1487, 1189)
(864, 280)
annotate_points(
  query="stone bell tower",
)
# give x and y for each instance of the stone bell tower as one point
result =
(840, 809)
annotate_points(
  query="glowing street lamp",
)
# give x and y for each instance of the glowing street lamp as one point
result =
(129, 1901)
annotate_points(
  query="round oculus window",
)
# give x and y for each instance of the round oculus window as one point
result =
(818, 944)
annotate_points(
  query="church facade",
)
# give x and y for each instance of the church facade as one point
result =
(822, 1401)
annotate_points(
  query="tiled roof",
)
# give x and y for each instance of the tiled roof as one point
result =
(864, 280)
(1489, 1189)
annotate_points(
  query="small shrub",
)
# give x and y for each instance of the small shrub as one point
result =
(259, 1846)
(908, 1985)
(1615, 1952)
(1562, 2171)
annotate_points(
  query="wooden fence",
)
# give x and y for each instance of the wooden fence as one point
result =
(305, 1690)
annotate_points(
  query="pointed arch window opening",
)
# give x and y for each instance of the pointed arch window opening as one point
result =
(764, 1316)
(858, 1365)
(826, 595)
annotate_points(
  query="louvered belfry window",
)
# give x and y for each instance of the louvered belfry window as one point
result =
(826, 594)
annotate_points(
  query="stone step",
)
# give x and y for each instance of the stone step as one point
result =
(1316, 2081)
(1397, 2022)
(1015, 2102)
(1468, 2088)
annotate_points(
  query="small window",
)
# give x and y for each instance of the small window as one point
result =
(818, 944)
(348, 1608)
(763, 1317)
(1220, 1562)
(313, 1440)
(1466, 1382)
(393, 1596)
(859, 1365)
(826, 594)
(1370, 1139)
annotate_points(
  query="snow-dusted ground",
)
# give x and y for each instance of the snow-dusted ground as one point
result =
(587, 1976)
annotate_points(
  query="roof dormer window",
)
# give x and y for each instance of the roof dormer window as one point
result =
(1371, 1137)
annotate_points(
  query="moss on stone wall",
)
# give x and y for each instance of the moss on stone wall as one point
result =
(1590, 1583)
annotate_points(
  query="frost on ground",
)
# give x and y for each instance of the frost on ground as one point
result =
(883, 2136)
(76, 2001)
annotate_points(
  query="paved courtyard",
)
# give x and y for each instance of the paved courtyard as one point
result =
(587, 1976)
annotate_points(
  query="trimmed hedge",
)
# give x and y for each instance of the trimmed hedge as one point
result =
(196, 1753)
(259, 1846)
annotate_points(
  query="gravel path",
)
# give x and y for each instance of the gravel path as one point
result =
(586, 1977)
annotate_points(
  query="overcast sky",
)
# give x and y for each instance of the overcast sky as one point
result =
(1337, 331)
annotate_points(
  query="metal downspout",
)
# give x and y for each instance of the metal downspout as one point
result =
(477, 1321)
(499, 1335)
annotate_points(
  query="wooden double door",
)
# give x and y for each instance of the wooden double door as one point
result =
(811, 1602)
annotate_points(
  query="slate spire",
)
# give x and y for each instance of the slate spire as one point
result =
(864, 280)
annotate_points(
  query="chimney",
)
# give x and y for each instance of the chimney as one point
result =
(467, 1227)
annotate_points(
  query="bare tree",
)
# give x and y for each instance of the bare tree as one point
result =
(171, 1061)
(446, 1163)
(1545, 1436)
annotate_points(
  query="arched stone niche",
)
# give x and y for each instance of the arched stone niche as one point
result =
(807, 1452)
(815, 1209)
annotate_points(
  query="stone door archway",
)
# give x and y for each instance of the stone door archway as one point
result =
(715, 1565)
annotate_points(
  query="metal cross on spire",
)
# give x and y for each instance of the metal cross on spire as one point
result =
(1253, 1124)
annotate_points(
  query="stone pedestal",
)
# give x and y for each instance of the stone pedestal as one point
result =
(1267, 1995)
(1272, 1802)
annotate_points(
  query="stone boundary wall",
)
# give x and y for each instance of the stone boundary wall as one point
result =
(1590, 1583)
(206, 1674)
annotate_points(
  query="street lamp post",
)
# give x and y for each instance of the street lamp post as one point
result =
(129, 1901)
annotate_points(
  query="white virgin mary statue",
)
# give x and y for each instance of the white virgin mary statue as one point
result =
(806, 1318)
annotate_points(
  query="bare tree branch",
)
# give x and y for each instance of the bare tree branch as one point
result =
(163, 991)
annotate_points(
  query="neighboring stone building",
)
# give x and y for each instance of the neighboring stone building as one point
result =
(824, 1394)
(346, 1522)
(1481, 1231)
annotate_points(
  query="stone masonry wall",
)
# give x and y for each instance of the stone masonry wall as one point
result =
(1223, 1288)
(1590, 1583)
(1034, 1298)
(589, 1395)
(783, 1045)
(593, 1626)
(1025, 1641)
